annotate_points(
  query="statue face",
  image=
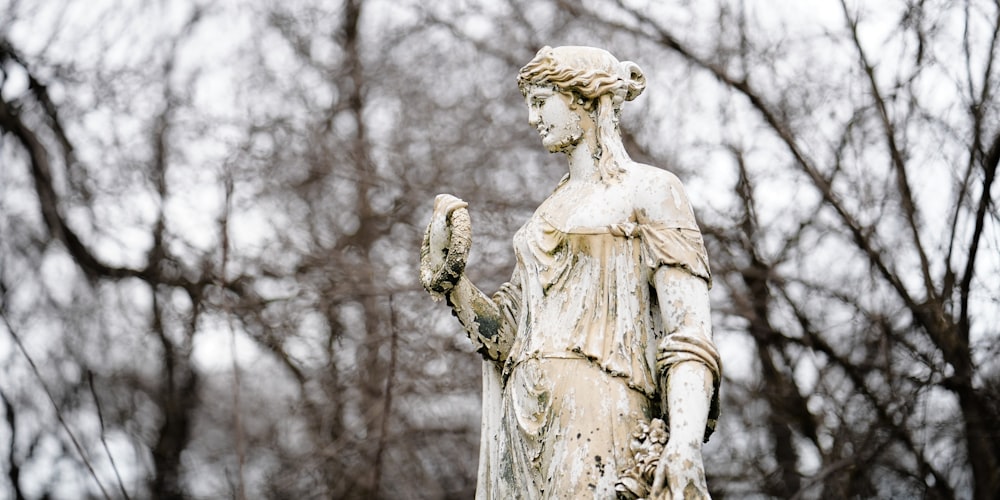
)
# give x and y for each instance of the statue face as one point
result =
(557, 122)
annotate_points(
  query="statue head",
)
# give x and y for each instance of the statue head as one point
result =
(596, 79)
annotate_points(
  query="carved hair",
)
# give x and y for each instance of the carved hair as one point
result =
(599, 78)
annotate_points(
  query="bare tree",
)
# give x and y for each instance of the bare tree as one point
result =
(210, 215)
(866, 292)
(239, 276)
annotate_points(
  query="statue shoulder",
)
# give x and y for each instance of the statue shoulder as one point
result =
(659, 196)
(643, 174)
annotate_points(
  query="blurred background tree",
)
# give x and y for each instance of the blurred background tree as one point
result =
(210, 214)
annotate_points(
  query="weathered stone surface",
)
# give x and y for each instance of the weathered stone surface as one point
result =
(600, 375)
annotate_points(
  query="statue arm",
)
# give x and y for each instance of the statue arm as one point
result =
(686, 316)
(687, 384)
(489, 322)
(687, 362)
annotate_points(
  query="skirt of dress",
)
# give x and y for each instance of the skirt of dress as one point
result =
(566, 430)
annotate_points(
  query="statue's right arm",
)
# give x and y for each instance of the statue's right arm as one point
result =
(490, 322)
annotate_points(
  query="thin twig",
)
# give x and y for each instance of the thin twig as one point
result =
(907, 203)
(813, 340)
(14, 473)
(104, 442)
(52, 399)
(387, 407)
(237, 421)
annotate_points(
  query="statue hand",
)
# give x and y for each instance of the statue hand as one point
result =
(446, 244)
(680, 474)
(441, 227)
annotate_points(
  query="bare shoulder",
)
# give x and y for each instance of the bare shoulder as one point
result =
(643, 175)
(658, 195)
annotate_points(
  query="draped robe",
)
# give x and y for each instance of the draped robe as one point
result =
(589, 352)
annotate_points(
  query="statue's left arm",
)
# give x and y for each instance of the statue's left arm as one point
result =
(687, 362)
(687, 382)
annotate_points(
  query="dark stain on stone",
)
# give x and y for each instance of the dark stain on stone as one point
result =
(488, 327)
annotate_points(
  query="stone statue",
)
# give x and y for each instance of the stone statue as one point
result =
(600, 377)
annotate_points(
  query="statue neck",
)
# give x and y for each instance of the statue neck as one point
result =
(582, 158)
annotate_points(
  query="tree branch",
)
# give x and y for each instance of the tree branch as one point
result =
(104, 441)
(898, 163)
(990, 162)
(59, 415)
(390, 377)
(860, 236)
(41, 171)
(14, 473)
(813, 340)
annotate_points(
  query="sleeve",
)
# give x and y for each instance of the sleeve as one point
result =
(683, 247)
(676, 348)
(667, 227)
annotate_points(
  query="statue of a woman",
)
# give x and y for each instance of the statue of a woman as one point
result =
(604, 327)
